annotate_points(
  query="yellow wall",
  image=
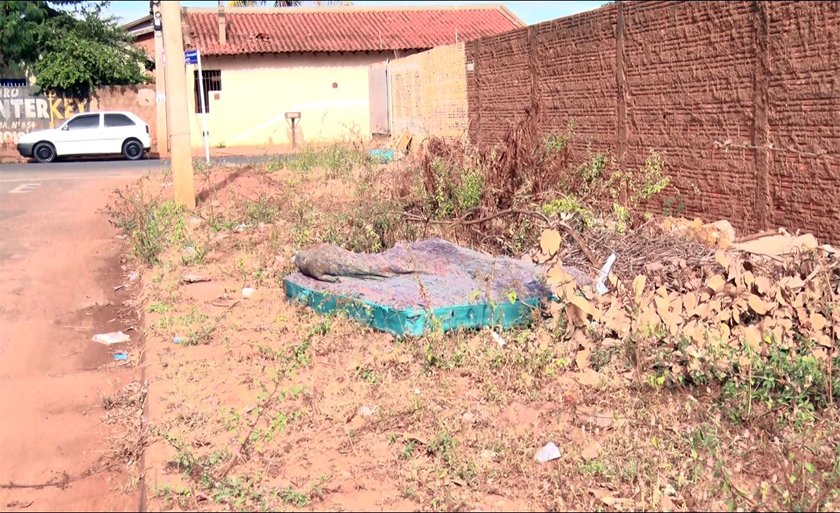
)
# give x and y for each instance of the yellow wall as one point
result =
(258, 90)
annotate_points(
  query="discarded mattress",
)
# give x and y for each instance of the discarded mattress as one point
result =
(452, 292)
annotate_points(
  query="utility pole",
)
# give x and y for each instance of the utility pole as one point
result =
(176, 105)
(160, 82)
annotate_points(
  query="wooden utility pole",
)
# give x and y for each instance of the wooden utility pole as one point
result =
(176, 104)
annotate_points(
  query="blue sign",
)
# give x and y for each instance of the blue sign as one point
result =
(191, 57)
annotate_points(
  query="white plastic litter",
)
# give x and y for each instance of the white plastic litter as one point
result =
(111, 338)
(601, 286)
(547, 453)
(498, 338)
(247, 292)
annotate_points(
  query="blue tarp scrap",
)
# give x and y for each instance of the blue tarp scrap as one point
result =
(451, 293)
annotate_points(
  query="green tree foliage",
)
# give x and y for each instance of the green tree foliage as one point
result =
(68, 45)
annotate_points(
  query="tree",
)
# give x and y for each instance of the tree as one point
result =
(67, 45)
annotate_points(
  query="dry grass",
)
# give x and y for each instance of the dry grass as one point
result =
(278, 408)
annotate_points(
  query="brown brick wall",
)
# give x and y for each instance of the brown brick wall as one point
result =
(742, 99)
(429, 92)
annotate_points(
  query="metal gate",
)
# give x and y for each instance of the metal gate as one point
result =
(379, 104)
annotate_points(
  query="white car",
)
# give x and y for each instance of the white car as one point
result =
(92, 133)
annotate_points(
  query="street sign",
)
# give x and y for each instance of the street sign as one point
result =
(191, 57)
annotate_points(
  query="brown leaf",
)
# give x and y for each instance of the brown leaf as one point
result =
(639, 285)
(590, 452)
(792, 282)
(585, 306)
(575, 315)
(690, 303)
(749, 278)
(557, 276)
(550, 241)
(818, 321)
(762, 283)
(588, 377)
(757, 305)
(582, 359)
(716, 283)
(648, 318)
(753, 337)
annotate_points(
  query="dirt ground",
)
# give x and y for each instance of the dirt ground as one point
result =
(260, 404)
(60, 263)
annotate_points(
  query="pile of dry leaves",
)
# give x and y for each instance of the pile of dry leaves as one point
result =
(707, 319)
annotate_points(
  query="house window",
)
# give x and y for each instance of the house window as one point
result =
(212, 82)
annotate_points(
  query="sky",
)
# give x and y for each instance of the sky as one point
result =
(529, 12)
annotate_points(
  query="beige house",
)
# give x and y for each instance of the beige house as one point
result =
(263, 67)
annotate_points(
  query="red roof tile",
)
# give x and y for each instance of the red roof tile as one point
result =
(343, 29)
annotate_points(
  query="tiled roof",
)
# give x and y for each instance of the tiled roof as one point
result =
(343, 29)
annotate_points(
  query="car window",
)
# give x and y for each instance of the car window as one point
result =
(112, 120)
(82, 122)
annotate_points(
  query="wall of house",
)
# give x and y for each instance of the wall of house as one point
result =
(429, 92)
(146, 42)
(22, 111)
(741, 98)
(330, 92)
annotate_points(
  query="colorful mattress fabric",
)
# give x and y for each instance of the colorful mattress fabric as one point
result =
(450, 293)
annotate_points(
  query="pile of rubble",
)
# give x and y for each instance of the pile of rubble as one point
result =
(711, 308)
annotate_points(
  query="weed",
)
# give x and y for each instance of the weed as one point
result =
(367, 375)
(260, 211)
(293, 497)
(408, 450)
(151, 224)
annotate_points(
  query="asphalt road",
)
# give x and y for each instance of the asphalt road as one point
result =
(98, 166)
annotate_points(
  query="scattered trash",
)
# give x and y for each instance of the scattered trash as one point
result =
(383, 156)
(247, 292)
(189, 251)
(468, 417)
(601, 286)
(177, 340)
(547, 453)
(193, 278)
(489, 455)
(111, 338)
(498, 338)
(366, 411)
(240, 228)
(195, 221)
(404, 142)
(118, 287)
(133, 276)
(121, 356)
(778, 244)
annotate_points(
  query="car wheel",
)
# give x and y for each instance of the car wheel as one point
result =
(44, 153)
(133, 150)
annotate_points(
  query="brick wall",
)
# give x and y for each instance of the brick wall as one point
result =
(742, 99)
(429, 92)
